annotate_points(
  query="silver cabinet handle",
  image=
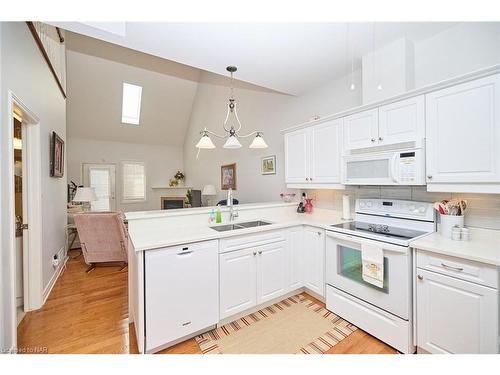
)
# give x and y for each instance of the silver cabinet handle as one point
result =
(254, 253)
(307, 178)
(451, 267)
(420, 277)
(373, 139)
(260, 252)
(429, 177)
(186, 324)
(185, 252)
(311, 179)
(319, 233)
(380, 138)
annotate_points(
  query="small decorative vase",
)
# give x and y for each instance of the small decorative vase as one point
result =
(309, 205)
(173, 182)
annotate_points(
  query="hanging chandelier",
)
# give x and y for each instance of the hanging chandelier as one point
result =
(233, 130)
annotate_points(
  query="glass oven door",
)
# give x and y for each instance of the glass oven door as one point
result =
(344, 272)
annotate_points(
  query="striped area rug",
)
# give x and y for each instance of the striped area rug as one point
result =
(294, 325)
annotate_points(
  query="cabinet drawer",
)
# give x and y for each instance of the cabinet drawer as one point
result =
(242, 242)
(479, 273)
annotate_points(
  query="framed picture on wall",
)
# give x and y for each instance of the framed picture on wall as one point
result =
(268, 165)
(56, 156)
(228, 176)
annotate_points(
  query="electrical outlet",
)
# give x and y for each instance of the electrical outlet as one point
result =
(55, 260)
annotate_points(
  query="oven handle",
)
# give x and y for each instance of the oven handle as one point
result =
(359, 240)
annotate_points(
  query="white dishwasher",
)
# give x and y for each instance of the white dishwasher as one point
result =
(181, 292)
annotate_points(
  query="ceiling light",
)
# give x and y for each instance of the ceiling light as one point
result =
(205, 142)
(258, 142)
(232, 132)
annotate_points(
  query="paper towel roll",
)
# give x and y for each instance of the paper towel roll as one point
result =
(346, 207)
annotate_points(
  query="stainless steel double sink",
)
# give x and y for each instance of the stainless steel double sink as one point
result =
(247, 224)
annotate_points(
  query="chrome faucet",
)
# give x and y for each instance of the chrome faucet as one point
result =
(232, 212)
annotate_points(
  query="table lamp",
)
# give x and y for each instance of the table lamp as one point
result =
(85, 195)
(209, 191)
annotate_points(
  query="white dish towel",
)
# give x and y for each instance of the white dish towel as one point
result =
(372, 257)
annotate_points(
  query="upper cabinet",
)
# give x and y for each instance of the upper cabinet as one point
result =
(398, 122)
(312, 155)
(463, 137)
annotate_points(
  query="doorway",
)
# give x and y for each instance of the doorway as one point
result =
(102, 178)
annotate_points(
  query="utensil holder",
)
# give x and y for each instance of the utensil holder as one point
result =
(448, 222)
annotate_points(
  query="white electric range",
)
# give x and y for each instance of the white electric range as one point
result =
(391, 225)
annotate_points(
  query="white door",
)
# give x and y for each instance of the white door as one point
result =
(102, 178)
(326, 148)
(314, 260)
(361, 130)
(237, 274)
(271, 271)
(297, 156)
(295, 258)
(455, 316)
(463, 133)
(181, 291)
(403, 121)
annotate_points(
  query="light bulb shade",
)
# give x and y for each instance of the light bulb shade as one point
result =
(209, 190)
(85, 194)
(205, 142)
(232, 142)
(258, 142)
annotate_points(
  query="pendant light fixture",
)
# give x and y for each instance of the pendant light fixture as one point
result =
(233, 135)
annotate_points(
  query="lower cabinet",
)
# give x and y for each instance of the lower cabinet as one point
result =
(313, 245)
(181, 292)
(251, 276)
(455, 316)
(295, 258)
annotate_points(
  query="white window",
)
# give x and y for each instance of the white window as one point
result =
(134, 182)
(131, 104)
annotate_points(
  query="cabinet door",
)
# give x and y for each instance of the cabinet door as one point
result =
(326, 148)
(463, 133)
(314, 260)
(237, 281)
(181, 291)
(295, 258)
(271, 271)
(297, 156)
(403, 121)
(455, 316)
(361, 130)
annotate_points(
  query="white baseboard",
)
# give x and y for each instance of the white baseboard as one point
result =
(53, 280)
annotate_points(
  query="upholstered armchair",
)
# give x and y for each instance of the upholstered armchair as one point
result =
(103, 238)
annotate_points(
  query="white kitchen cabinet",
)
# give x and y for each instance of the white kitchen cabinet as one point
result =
(312, 155)
(297, 156)
(295, 258)
(314, 260)
(326, 149)
(181, 292)
(402, 122)
(455, 316)
(271, 271)
(361, 130)
(238, 281)
(463, 137)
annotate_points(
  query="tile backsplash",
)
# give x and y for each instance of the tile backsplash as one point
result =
(483, 209)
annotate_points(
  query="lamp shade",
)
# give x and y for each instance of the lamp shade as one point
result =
(258, 142)
(205, 142)
(209, 190)
(232, 142)
(85, 194)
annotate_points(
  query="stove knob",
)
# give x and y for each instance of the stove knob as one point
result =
(362, 204)
(421, 209)
(411, 207)
(369, 203)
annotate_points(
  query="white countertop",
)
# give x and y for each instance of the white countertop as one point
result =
(155, 236)
(483, 246)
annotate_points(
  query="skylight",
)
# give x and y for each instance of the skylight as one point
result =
(131, 104)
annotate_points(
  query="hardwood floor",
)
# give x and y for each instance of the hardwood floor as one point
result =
(87, 313)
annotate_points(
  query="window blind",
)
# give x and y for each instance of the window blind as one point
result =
(134, 181)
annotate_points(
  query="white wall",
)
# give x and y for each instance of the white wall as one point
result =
(161, 161)
(25, 73)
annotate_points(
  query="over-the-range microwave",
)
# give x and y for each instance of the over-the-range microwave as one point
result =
(395, 167)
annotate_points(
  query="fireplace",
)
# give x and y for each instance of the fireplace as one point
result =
(171, 203)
